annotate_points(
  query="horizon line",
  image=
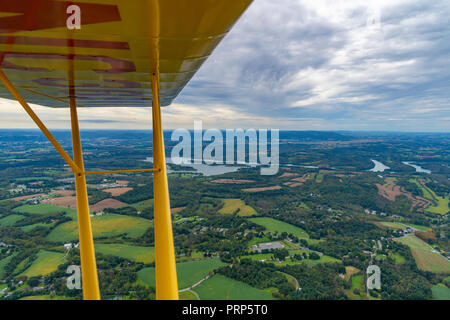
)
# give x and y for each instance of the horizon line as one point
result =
(223, 129)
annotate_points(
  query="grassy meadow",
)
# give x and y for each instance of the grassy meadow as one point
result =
(424, 256)
(134, 253)
(220, 287)
(231, 206)
(273, 226)
(188, 273)
(46, 262)
(109, 225)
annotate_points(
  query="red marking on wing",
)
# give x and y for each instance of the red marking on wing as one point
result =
(95, 44)
(47, 14)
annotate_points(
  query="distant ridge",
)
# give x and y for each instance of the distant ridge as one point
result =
(314, 136)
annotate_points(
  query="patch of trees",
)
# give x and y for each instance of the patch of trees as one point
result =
(320, 282)
(137, 194)
(339, 247)
(403, 282)
(96, 195)
(33, 219)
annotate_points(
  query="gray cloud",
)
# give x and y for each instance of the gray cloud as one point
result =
(301, 64)
(339, 61)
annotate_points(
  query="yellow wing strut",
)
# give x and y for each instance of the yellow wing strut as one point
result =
(165, 267)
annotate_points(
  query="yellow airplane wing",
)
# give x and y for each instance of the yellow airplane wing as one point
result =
(106, 50)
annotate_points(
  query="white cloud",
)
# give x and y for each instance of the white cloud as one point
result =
(300, 64)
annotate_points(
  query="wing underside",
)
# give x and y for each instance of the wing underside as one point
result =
(110, 59)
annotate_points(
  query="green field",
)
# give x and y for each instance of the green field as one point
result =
(257, 240)
(398, 226)
(46, 262)
(143, 204)
(45, 297)
(441, 204)
(43, 209)
(33, 179)
(440, 292)
(231, 206)
(390, 180)
(188, 273)
(357, 282)
(397, 258)
(390, 225)
(108, 225)
(220, 287)
(36, 225)
(424, 257)
(195, 255)
(187, 295)
(134, 253)
(273, 226)
(10, 220)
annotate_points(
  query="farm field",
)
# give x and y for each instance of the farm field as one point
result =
(357, 283)
(392, 191)
(440, 292)
(232, 181)
(65, 201)
(26, 197)
(425, 259)
(220, 287)
(399, 259)
(195, 255)
(117, 191)
(273, 225)
(109, 225)
(143, 204)
(32, 179)
(106, 203)
(420, 228)
(188, 273)
(262, 189)
(43, 209)
(442, 206)
(46, 262)
(187, 295)
(64, 193)
(36, 225)
(442, 203)
(389, 225)
(231, 206)
(398, 226)
(134, 253)
(350, 271)
(10, 220)
(45, 297)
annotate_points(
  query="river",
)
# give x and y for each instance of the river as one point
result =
(418, 168)
(379, 167)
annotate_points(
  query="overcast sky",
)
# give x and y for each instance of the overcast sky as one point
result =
(307, 65)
